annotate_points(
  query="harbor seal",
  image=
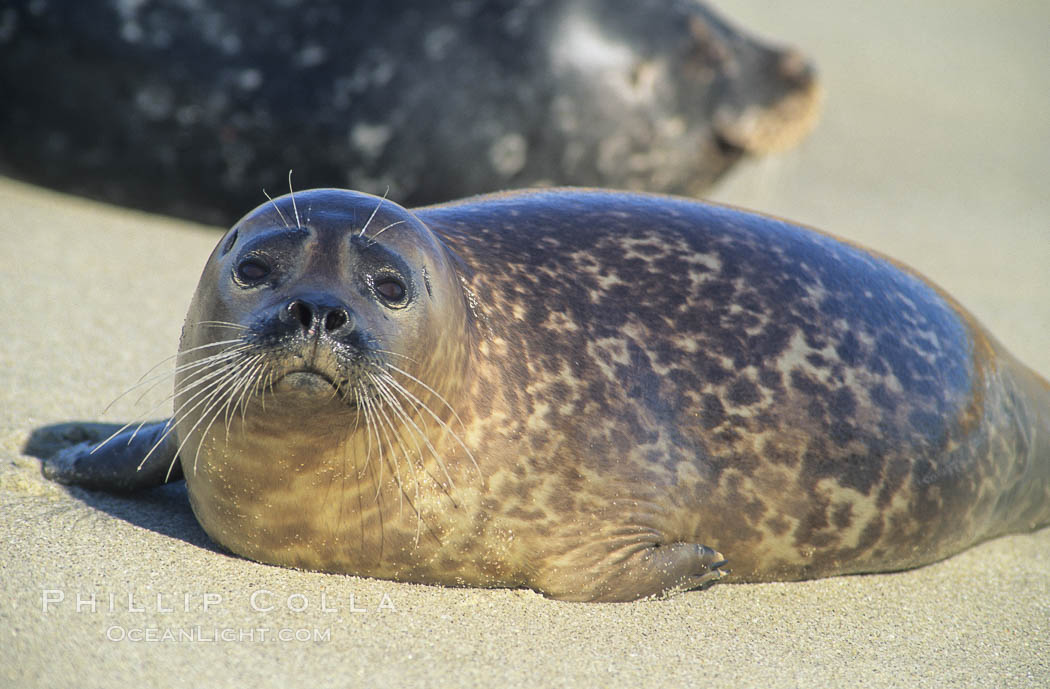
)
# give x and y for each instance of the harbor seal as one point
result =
(601, 396)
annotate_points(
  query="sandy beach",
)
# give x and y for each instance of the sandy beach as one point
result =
(933, 149)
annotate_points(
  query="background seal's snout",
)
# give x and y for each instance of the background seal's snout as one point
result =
(317, 315)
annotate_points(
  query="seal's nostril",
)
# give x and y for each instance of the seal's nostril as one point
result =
(313, 316)
(335, 319)
(301, 311)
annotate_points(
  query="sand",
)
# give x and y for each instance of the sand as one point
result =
(933, 149)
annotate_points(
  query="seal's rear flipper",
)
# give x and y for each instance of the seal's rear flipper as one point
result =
(117, 465)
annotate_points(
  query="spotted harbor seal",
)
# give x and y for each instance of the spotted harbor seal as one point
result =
(601, 396)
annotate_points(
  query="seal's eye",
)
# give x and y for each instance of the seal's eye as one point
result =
(252, 270)
(390, 289)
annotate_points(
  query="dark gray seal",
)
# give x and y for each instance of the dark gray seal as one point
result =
(601, 396)
(190, 108)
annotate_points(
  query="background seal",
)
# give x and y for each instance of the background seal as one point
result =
(191, 108)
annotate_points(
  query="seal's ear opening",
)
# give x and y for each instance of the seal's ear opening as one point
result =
(228, 244)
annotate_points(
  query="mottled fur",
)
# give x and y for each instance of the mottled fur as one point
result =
(644, 384)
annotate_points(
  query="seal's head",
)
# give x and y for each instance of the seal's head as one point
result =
(326, 326)
(321, 286)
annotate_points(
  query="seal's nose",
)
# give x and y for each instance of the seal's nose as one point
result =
(313, 315)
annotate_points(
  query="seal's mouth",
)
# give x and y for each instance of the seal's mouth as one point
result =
(310, 385)
(309, 381)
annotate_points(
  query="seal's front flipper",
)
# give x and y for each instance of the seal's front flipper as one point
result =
(653, 571)
(664, 570)
(116, 465)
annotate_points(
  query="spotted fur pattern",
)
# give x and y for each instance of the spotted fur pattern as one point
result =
(804, 406)
(641, 386)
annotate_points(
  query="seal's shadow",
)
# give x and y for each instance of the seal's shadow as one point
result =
(164, 510)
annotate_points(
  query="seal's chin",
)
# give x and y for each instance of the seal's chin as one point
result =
(309, 385)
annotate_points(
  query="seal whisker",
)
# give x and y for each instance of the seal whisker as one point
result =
(376, 210)
(393, 224)
(427, 388)
(403, 356)
(373, 424)
(381, 433)
(396, 407)
(373, 431)
(412, 471)
(242, 386)
(230, 391)
(171, 467)
(215, 408)
(368, 428)
(419, 404)
(268, 382)
(383, 391)
(271, 380)
(139, 420)
(383, 424)
(276, 208)
(348, 447)
(205, 373)
(200, 397)
(139, 425)
(357, 424)
(169, 427)
(389, 432)
(142, 417)
(198, 366)
(398, 410)
(235, 326)
(377, 477)
(184, 352)
(291, 192)
(216, 404)
(211, 399)
(265, 371)
(214, 357)
(202, 366)
(250, 386)
(395, 442)
(161, 376)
